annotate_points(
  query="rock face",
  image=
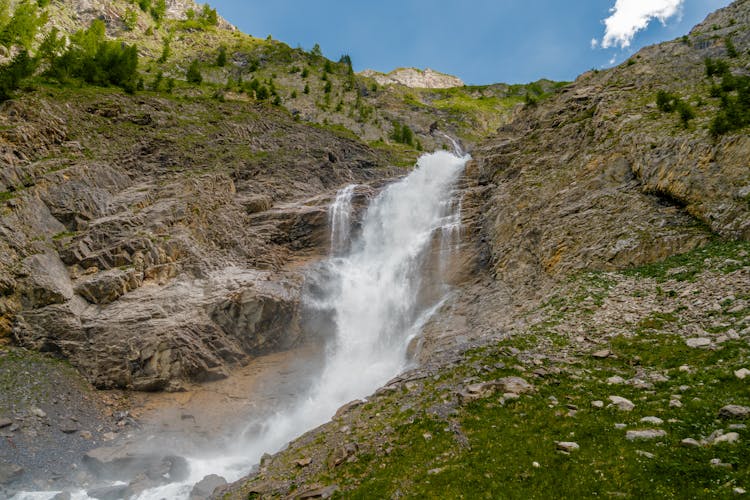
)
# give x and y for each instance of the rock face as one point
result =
(139, 267)
(415, 78)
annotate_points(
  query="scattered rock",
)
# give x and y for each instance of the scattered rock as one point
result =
(698, 342)
(645, 434)
(690, 443)
(516, 385)
(675, 403)
(87, 435)
(716, 462)
(734, 411)
(729, 438)
(38, 412)
(597, 404)
(742, 373)
(326, 492)
(603, 354)
(567, 446)
(644, 454)
(303, 462)
(739, 491)
(652, 420)
(5, 422)
(9, 472)
(203, 489)
(68, 426)
(535, 465)
(616, 380)
(108, 492)
(63, 495)
(620, 426)
(621, 403)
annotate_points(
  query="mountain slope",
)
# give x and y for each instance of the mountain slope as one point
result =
(598, 339)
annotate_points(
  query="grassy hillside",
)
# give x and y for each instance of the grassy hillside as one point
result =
(229, 65)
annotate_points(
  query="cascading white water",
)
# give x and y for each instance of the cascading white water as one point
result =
(375, 294)
(340, 219)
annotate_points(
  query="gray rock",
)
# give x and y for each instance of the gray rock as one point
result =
(728, 438)
(123, 465)
(603, 354)
(516, 385)
(9, 472)
(621, 403)
(644, 434)
(567, 446)
(698, 342)
(68, 426)
(203, 489)
(735, 411)
(324, 492)
(690, 443)
(742, 373)
(645, 454)
(47, 283)
(108, 286)
(109, 492)
(652, 420)
(38, 412)
(63, 495)
(5, 422)
(597, 404)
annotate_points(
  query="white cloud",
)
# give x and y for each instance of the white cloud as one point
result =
(631, 16)
(594, 43)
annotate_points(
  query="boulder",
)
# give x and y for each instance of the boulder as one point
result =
(203, 489)
(735, 411)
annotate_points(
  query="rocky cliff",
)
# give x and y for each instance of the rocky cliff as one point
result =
(415, 78)
(145, 239)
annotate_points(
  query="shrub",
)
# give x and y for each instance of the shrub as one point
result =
(221, 59)
(97, 61)
(193, 74)
(402, 134)
(20, 28)
(716, 67)
(13, 73)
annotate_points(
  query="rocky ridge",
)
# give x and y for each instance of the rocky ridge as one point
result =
(415, 78)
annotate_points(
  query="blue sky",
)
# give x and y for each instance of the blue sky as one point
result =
(481, 41)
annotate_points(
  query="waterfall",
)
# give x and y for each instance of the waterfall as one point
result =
(373, 293)
(339, 219)
(374, 290)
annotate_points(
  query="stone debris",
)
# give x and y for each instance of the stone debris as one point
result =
(645, 434)
(203, 489)
(652, 420)
(567, 446)
(621, 403)
(698, 342)
(597, 404)
(735, 411)
(742, 373)
(690, 443)
(728, 438)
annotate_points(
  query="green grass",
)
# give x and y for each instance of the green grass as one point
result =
(729, 255)
(505, 440)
